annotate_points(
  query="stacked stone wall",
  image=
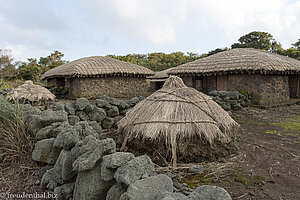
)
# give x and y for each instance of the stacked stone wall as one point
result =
(265, 89)
(119, 87)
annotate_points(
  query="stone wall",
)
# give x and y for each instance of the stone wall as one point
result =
(114, 86)
(265, 89)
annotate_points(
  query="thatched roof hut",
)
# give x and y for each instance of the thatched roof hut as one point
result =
(239, 60)
(271, 78)
(97, 66)
(29, 92)
(95, 76)
(178, 123)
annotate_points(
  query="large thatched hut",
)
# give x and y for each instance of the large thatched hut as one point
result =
(272, 78)
(99, 75)
(178, 123)
(31, 93)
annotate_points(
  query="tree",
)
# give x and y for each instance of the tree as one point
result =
(217, 50)
(33, 69)
(7, 68)
(30, 70)
(255, 39)
(297, 45)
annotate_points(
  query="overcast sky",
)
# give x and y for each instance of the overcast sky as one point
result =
(79, 28)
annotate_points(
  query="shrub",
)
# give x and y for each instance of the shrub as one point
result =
(16, 142)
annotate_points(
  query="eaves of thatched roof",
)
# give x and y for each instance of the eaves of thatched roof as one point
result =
(237, 61)
(97, 66)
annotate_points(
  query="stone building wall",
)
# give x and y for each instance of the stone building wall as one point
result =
(113, 86)
(51, 82)
(266, 89)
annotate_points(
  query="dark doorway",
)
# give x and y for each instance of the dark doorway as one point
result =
(159, 85)
(294, 85)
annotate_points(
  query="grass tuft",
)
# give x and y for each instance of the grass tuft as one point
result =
(16, 143)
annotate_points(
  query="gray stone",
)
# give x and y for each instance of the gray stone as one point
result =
(89, 108)
(217, 99)
(115, 192)
(234, 95)
(113, 111)
(67, 139)
(61, 172)
(81, 103)
(111, 101)
(51, 131)
(89, 159)
(58, 106)
(44, 169)
(70, 108)
(65, 191)
(208, 192)
(213, 93)
(97, 114)
(223, 93)
(102, 104)
(123, 111)
(108, 122)
(113, 161)
(237, 107)
(117, 119)
(123, 105)
(232, 102)
(199, 169)
(226, 99)
(63, 166)
(226, 106)
(148, 188)
(89, 186)
(132, 102)
(84, 129)
(141, 98)
(46, 118)
(82, 115)
(73, 119)
(49, 179)
(87, 144)
(96, 126)
(134, 170)
(27, 109)
(171, 196)
(45, 152)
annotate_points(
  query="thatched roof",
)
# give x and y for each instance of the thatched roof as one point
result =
(159, 76)
(177, 116)
(97, 66)
(240, 60)
(29, 92)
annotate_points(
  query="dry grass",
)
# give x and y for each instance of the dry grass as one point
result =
(16, 142)
(178, 120)
(29, 92)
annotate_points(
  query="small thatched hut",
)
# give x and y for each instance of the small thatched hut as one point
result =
(178, 123)
(95, 76)
(271, 78)
(29, 92)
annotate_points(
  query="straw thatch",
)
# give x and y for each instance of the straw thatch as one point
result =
(159, 76)
(178, 122)
(29, 92)
(240, 60)
(96, 66)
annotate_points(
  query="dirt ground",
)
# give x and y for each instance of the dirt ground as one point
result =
(266, 166)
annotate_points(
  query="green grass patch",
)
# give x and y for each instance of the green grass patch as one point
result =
(293, 123)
